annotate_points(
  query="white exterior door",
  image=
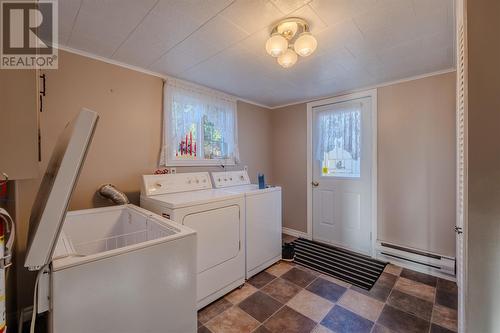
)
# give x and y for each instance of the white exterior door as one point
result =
(342, 147)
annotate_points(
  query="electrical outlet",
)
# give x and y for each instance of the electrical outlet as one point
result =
(173, 170)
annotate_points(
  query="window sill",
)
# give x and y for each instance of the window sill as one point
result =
(200, 162)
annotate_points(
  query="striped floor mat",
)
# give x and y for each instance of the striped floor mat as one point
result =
(357, 269)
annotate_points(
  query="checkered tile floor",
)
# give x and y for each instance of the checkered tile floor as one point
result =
(289, 298)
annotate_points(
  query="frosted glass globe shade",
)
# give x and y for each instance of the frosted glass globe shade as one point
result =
(276, 45)
(287, 59)
(305, 45)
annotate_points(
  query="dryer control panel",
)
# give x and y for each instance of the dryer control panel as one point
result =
(230, 178)
(174, 183)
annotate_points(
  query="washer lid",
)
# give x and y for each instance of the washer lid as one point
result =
(252, 189)
(49, 210)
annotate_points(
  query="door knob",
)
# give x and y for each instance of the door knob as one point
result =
(315, 184)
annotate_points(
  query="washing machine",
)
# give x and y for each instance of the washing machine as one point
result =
(262, 216)
(218, 217)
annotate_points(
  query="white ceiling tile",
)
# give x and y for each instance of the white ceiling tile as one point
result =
(215, 36)
(403, 50)
(340, 56)
(232, 66)
(435, 17)
(389, 35)
(335, 11)
(288, 6)
(343, 34)
(423, 7)
(201, 10)
(315, 22)
(187, 54)
(399, 14)
(221, 32)
(323, 68)
(256, 43)
(364, 54)
(416, 64)
(437, 40)
(252, 15)
(236, 68)
(67, 11)
(166, 25)
(101, 26)
(325, 89)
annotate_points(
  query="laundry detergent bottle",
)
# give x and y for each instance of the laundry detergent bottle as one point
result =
(262, 182)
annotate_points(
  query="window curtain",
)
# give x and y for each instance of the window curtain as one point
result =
(185, 107)
(338, 127)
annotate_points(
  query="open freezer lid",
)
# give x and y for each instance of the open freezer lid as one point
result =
(51, 203)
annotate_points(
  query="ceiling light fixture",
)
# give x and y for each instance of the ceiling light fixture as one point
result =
(289, 38)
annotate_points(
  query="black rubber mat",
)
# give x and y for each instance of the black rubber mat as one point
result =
(352, 267)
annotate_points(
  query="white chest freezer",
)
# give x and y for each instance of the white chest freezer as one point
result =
(115, 269)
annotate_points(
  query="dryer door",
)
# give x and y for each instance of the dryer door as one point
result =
(218, 235)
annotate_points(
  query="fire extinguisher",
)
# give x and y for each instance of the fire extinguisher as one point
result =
(7, 228)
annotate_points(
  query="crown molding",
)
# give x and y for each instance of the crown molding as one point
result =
(166, 77)
(380, 85)
(152, 73)
(111, 61)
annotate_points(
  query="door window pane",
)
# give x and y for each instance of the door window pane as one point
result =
(339, 143)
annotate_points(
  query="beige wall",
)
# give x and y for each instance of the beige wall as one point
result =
(126, 143)
(289, 162)
(416, 163)
(255, 137)
(483, 303)
(18, 122)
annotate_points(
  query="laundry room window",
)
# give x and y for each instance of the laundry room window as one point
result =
(199, 126)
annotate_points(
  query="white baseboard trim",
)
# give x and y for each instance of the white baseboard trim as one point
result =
(294, 233)
(422, 261)
(416, 267)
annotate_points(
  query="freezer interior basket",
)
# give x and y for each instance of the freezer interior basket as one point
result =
(95, 231)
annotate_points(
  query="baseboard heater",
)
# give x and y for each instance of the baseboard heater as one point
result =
(416, 259)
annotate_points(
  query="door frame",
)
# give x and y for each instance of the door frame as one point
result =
(372, 93)
(462, 180)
